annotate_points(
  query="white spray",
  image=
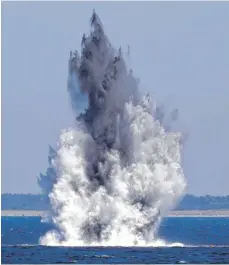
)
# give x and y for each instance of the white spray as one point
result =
(118, 171)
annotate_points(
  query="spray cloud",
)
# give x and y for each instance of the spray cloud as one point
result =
(115, 174)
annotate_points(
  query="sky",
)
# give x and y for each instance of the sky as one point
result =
(179, 50)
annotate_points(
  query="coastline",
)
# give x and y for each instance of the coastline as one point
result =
(181, 213)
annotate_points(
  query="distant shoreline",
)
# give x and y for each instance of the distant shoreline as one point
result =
(181, 213)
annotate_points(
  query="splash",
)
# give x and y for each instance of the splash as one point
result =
(117, 173)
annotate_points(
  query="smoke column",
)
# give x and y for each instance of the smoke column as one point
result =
(117, 173)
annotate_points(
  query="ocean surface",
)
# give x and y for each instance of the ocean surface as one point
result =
(205, 240)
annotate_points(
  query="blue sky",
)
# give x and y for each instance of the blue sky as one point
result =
(179, 50)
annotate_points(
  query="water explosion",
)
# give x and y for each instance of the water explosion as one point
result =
(113, 176)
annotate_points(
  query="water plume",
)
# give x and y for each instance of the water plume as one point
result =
(116, 174)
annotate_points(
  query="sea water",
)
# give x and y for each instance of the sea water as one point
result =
(183, 240)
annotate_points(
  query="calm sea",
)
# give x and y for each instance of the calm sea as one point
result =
(206, 240)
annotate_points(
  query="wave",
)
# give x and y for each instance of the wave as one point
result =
(156, 244)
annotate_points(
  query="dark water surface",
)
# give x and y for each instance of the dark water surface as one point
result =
(206, 240)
